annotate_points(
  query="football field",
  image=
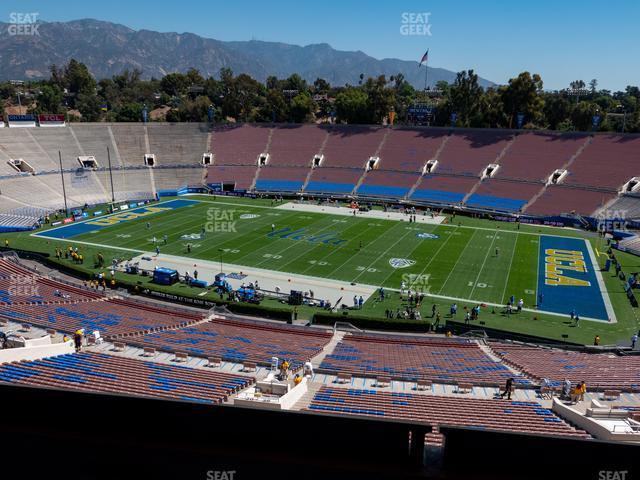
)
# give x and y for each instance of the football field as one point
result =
(484, 265)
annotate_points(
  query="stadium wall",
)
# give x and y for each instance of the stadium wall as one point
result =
(115, 436)
(7, 229)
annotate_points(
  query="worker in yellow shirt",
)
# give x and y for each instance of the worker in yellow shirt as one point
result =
(284, 370)
(582, 388)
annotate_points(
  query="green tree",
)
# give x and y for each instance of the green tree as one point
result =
(466, 95)
(78, 79)
(351, 106)
(49, 99)
(582, 115)
(275, 105)
(556, 110)
(89, 106)
(380, 99)
(175, 84)
(130, 112)
(302, 107)
(523, 95)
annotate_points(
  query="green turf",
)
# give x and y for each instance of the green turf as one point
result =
(461, 263)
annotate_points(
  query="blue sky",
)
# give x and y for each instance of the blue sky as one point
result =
(562, 40)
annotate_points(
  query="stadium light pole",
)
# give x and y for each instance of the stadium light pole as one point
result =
(624, 116)
(113, 195)
(290, 93)
(64, 191)
(577, 92)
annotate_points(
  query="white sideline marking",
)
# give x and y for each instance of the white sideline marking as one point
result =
(479, 302)
(434, 256)
(372, 214)
(506, 282)
(603, 290)
(457, 261)
(495, 235)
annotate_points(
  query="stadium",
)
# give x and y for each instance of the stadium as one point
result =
(243, 299)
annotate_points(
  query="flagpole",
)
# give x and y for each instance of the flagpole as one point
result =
(426, 70)
(426, 74)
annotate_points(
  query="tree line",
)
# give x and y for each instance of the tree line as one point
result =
(190, 97)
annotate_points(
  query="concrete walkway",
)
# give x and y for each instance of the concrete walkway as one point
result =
(392, 215)
(268, 280)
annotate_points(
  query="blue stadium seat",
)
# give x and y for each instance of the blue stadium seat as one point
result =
(438, 196)
(496, 203)
(382, 191)
(279, 185)
(328, 187)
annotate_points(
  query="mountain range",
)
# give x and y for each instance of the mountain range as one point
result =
(109, 48)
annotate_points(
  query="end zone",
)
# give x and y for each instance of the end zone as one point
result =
(98, 223)
(569, 279)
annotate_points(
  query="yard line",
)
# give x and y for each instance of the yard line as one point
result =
(101, 245)
(367, 251)
(431, 227)
(457, 261)
(429, 263)
(293, 244)
(506, 283)
(383, 254)
(482, 266)
(515, 232)
(335, 250)
(538, 268)
(236, 204)
(250, 232)
(139, 223)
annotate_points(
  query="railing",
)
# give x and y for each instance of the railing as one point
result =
(346, 326)
(476, 334)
